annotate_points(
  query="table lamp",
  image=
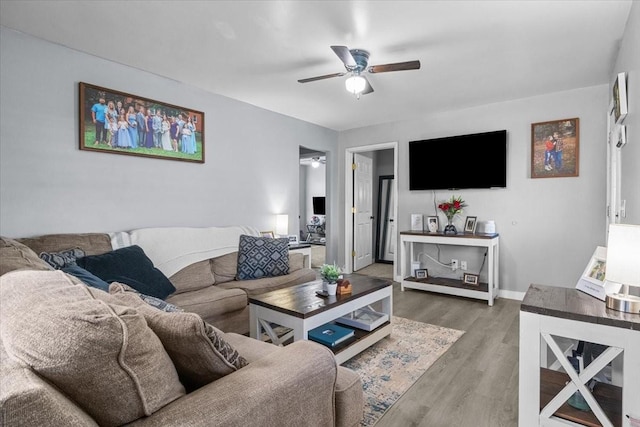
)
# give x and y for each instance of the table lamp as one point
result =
(623, 266)
(282, 225)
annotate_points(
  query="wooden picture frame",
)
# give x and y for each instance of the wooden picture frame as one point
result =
(432, 224)
(620, 109)
(555, 148)
(269, 234)
(422, 273)
(470, 224)
(171, 133)
(470, 279)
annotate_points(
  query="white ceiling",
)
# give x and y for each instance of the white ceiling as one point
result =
(472, 52)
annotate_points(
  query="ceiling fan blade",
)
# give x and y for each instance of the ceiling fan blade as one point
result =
(398, 66)
(326, 76)
(345, 56)
(368, 88)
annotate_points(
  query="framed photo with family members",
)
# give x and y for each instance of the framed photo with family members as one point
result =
(593, 281)
(121, 123)
(555, 148)
(432, 224)
(470, 279)
(470, 224)
(422, 273)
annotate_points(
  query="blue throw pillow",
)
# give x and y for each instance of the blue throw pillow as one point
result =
(86, 277)
(131, 266)
(260, 257)
(62, 259)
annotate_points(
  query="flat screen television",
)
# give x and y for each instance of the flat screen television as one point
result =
(465, 161)
(318, 206)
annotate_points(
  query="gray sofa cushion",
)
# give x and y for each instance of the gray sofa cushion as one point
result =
(259, 286)
(104, 357)
(16, 256)
(193, 277)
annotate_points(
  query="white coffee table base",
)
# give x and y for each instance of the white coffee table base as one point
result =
(261, 318)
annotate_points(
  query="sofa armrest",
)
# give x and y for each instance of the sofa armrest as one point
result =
(293, 386)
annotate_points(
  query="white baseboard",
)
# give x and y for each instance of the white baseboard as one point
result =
(503, 293)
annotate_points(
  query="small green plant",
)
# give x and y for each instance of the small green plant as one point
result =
(330, 272)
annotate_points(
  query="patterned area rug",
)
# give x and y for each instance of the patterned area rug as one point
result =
(390, 367)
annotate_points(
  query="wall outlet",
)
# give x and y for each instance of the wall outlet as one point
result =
(463, 265)
(454, 264)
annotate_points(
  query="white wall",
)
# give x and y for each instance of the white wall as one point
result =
(548, 228)
(629, 61)
(47, 185)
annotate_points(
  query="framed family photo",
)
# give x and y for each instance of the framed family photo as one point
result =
(432, 224)
(555, 148)
(470, 279)
(121, 123)
(593, 281)
(422, 273)
(470, 224)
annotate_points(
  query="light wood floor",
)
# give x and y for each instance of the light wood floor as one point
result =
(475, 383)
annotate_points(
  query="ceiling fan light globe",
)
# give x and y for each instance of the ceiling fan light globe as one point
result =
(355, 84)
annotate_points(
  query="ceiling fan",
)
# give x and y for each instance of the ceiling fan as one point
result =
(356, 62)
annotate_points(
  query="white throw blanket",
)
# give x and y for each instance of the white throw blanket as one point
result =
(173, 248)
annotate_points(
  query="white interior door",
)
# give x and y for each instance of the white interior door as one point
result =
(363, 203)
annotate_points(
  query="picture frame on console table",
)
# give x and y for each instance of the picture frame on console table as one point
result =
(107, 130)
(555, 148)
(593, 281)
(432, 224)
(470, 224)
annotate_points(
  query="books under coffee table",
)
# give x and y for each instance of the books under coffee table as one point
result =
(330, 334)
(301, 310)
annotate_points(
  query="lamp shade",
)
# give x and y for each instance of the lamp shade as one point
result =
(282, 224)
(623, 254)
(355, 84)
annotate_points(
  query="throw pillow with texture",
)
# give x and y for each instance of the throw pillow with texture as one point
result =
(62, 259)
(152, 301)
(198, 350)
(103, 356)
(260, 257)
(129, 265)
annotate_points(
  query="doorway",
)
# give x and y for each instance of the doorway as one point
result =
(313, 206)
(352, 190)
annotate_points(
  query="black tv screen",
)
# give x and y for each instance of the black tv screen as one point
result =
(465, 161)
(318, 206)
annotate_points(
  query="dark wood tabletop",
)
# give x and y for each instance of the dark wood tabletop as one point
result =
(302, 301)
(572, 304)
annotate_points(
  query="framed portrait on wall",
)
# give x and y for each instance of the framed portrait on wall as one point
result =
(555, 148)
(620, 97)
(122, 123)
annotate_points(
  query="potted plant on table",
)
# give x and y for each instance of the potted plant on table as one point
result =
(330, 274)
(451, 208)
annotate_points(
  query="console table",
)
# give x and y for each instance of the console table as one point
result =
(484, 291)
(548, 313)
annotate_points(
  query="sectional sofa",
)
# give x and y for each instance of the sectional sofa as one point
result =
(72, 354)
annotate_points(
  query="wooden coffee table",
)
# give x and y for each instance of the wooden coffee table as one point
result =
(300, 309)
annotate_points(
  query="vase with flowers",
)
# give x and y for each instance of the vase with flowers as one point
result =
(451, 208)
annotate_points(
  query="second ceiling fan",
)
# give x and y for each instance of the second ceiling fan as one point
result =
(356, 62)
